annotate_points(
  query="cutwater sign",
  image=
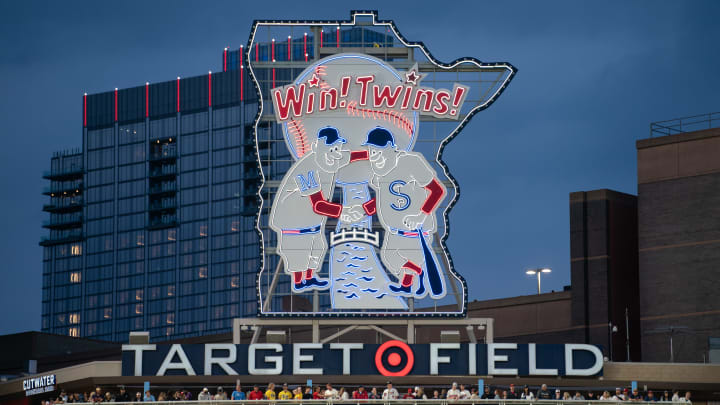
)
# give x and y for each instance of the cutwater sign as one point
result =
(393, 359)
(39, 385)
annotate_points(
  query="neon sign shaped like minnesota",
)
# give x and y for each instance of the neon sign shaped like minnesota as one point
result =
(357, 224)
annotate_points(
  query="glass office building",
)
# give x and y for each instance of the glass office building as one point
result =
(152, 220)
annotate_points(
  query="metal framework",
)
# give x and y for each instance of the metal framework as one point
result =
(256, 325)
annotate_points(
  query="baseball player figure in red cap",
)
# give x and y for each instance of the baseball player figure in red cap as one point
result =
(407, 193)
(301, 209)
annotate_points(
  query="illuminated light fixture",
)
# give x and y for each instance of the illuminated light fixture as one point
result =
(538, 272)
(225, 60)
(305, 46)
(338, 36)
(84, 109)
(242, 85)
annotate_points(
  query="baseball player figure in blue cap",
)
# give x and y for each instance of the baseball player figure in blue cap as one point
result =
(407, 193)
(300, 209)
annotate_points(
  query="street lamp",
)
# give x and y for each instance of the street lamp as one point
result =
(537, 272)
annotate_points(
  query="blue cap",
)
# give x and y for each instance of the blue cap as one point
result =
(380, 137)
(331, 136)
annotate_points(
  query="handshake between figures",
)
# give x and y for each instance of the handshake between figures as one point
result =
(352, 213)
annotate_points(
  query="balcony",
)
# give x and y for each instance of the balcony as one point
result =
(64, 222)
(165, 204)
(64, 174)
(64, 205)
(163, 188)
(64, 238)
(166, 154)
(64, 188)
(166, 221)
(163, 172)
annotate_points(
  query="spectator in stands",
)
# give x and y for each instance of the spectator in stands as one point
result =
(237, 395)
(108, 397)
(96, 396)
(254, 395)
(605, 396)
(408, 394)
(635, 396)
(566, 395)
(390, 392)
(676, 396)
(686, 398)
(543, 393)
(270, 392)
(486, 393)
(317, 394)
(578, 396)
(285, 394)
(308, 393)
(360, 393)
(162, 397)
(373, 394)
(149, 397)
(527, 394)
(498, 394)
(464, 393)
(330, 392)
(298, 393)
(512, 394)
(590, 396)
(618, 395)
(650, 397)
(443, 393)
(474, 393)
(123, 396)
(343, 395)
(453, 394)
(665, 397)
(138, 397)
(205, 395)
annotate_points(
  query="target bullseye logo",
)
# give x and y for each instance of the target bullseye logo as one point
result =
(394, 358)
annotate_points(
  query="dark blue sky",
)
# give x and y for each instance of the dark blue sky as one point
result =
(592, 76)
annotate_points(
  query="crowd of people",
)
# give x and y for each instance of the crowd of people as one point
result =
(456, 392)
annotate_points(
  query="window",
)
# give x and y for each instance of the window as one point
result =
(108, 313)
(170, 319)
(76, 250)
(202, 272)
(74, 318)
(75, 277)
(74, 332)
(138, 308)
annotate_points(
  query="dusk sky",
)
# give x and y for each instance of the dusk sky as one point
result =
(592, 77)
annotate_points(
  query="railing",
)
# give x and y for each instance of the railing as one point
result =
(63, 187)
(685, 124)
(429, 401)
(64, 203)
(165, 153)
(63, 220)
(76, 171)
(163, 188)
(164, 171)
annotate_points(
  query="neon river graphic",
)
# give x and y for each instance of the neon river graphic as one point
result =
(356, 225)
